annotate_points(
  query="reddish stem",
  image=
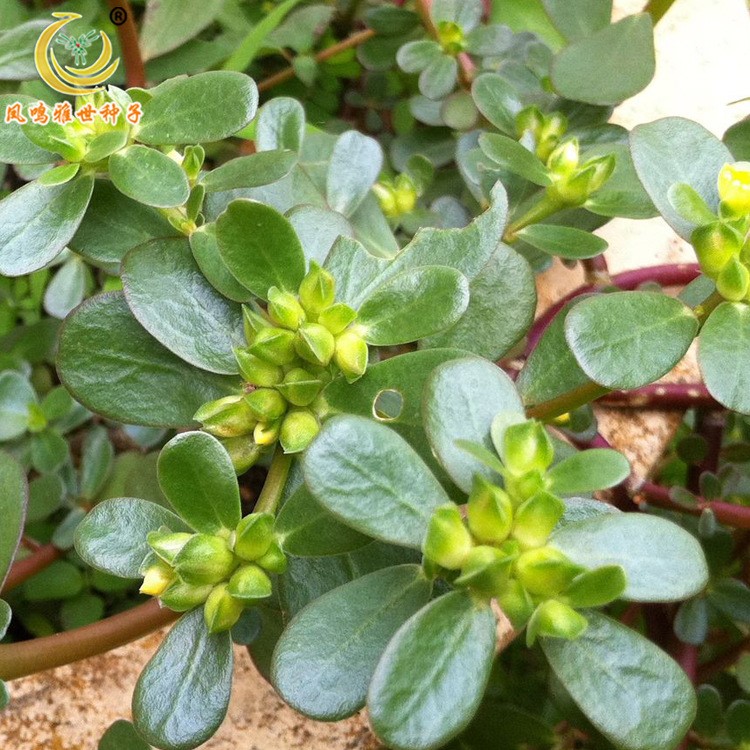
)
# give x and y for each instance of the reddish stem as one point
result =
(135, 71)
(37, 561)
(662, 396)
(723, 661)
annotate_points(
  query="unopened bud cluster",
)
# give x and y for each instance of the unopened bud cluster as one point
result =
(723, 246)
(575, 182)
(451, 37)
(545, 131)
(396, 197)
(294, 348)
(500, 549)
(224, 574)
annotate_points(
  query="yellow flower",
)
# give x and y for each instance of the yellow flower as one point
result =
(734, 186)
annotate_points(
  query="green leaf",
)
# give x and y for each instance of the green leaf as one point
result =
(461, 399)
(81, 610)
(105, 144)
(122, 736)
(307, 529)
(373, 480)
(465, 13)
(250, 171)
(736, 138)
(185, 111)
(259, 247)
(497, 100)
(182, 695)
(49, 451)
(14, 495)
(96, 461)
(564, 242)
(5, 617)
(689, 205)
(738, 721)
(112, 536)
(16, 395)
(174, 302)
(149, 176)
(662, 561)
(318, 229)
(675, 150)
(628, 339)
(611, 664)
(197, 477)
(280, 125)
(160, 389)
(724, 355)
(67, 288)
(431, 678)
(587, 471)
(578, 19)
(326, 657)
(590, 70)
(354, 166)
(206, 253)
(166, 26)
(414, 304)
(37, 221)
(514, 157)
(15, 147)
(414, 57)
(17, 51)
(732, 597)
(439, 78)
(61, 580)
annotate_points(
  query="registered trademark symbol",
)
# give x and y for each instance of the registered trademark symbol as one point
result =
(118, 16)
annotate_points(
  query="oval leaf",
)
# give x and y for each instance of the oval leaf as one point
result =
(149, 176)
(206, 253)
(587, 471)
(250, 171)
(14, 495)
(564, 242)
(16, 396)
(354, 166)
(514, 157)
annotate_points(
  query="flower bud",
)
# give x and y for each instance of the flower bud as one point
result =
(490, 512)
(253, 321)
(386, 196)
(298, 429)
(315, 344)
(226, 417)
(284, 309)
(243, 452)
(337, 317)
(525, 486)
(448, 541)
(553, 619)
(274, 561)
(405, 194)
(181, 596)
(193, 161)
(266, 404)
(555, 126)
(167, 544)
(734, 187)
(527, 447)
(535, 519)
(249, 583)
(351, 355)
(257, 371)
(300, 387)
(485, 571)
(274, 345)
(221, 610)
(545, 571)
(267, 433)
(564, 159)
(156, 577)
(715, 245)
(317, 290)
(205, 559)
(254, 535)
(733, 280)
(516, 604)
(451, 37)
(530, 120)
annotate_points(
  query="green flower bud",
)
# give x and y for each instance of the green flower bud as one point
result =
(530, 120)
(274, 345)
(182, 597)
(253, 321)
(595, 588)
(205, 559)
(167, 544)
(156, 578)
(274, 561)
(485, 571)
(576, 189)
(351, 355)
(315, 344)
(386, 196)
(221, 610)
(226, 417)
(300, 387)
(266, 404)
(490, 512)
(243, 452)
(516, 604)
(733, 280)
(448, 541)
(337, 317)
(603, 167)
(298, 429)
(555, 126)
(734, 187)
(267, 433)
(535, 519)
(257, 371)
(527, 485)
(284, 309)
(553, 619)
(527, 447)
(249, 583)
(193, 161)
(36, 421)
(451, 37)
(564, 159)
(405, 194)
(715, 245)
(317, 290)
(254, 535)
(545, 571)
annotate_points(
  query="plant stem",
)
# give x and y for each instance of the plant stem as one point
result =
(37, 561)
(664, 396)
(547, 410)
(720, 663)
(706, 307)
(135, 71)
(288, 73)
(540, 211)
(275, 482)
(657, 8)
(25, 658)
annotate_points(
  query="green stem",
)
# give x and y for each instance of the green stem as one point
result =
(706, 307)
(542, 210)
(567, 402)
(275, 483)
(657, 8)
